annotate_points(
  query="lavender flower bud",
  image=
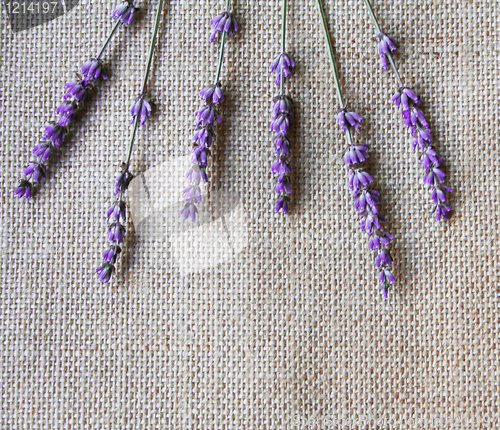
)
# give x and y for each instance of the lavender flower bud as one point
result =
(281, 146)
(77, 91)
(383, 257)
(345, 117)
(25, 189)
(92, 70)
(117, 210)
(367, 196)
(35, 170)
(124, 12)
(281, 167)
(358, 177)
(282, 63)
(403, 97)
(280, 124)
(105, 272)
(282, 105)
(116, 233)
(204, 137)
(189, 210)
(200, 156)
(370, 221)
(385, 45)
(283, 185)
(193, 174)
(43, 150)
(281, 204)
(223, 22)
(55, 133)
(111, 254)
(67, 113)
(212, 94)
(379, 238)
(356, 154)
(141, 108)
(206, 116)
(192, 194)
(122, 182)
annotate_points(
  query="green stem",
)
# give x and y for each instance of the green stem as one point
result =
(283, 38)
(110, 36)
(329, 45)
(146, 77)
(372, 15)
(221, 57)
(377, 27)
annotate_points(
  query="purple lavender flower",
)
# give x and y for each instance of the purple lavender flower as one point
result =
(141, 108)
(117, 210)
(105, 272)
(122, 182)
(212, 94)
(189, 210)
(281, 204)
(77, 91)
(366, 197)
(345, 117)
(280, 124)
(433, 177)
(55, 133)
(25, 189)
(403, 97)
(35, 170)
(282, 63)
(356, 154)
(192, 194)
(283, 185)
(204, 137)
(281, 166)
(124, 12)
(206, 116)
(92, 70)
(281, 146)
(223, 22)
(282, 105)
(43, 150)
(116, 232)
(379, 239)
(110, 255)
(385, 45)
(67, 113)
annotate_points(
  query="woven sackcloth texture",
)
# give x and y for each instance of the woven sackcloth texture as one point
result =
(290, 330)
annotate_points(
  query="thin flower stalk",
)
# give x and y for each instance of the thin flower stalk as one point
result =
(281, 119)
(365, 197)
(224, 25)
(415, 121)
(75, 98)
(117, 213)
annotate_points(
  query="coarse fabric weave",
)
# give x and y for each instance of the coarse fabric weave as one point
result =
(291, 331)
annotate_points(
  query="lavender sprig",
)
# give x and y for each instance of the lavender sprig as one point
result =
(117, 214)
(281, 119)
(360, 182)
(76, 95)
(414, 119)
(203, 137)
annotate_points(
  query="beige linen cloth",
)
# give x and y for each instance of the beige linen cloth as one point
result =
(278, 323)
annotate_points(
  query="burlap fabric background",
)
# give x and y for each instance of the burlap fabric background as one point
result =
(292, 331)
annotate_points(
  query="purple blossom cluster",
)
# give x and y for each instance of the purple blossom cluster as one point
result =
(414, 119)
(117, 215)
(206, 117)
(55, 133)
(280, 124)
(366, 199)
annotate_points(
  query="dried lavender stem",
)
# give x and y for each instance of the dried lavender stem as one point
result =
(110, 36)
(331, 54)
(146, 77)
(360, 182)
(393, 66)
(221, 57)
(283, 38)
